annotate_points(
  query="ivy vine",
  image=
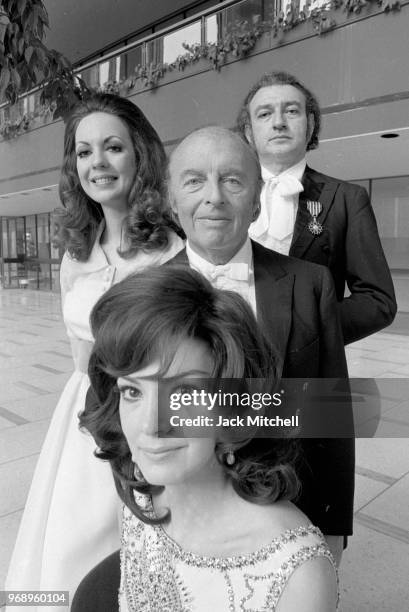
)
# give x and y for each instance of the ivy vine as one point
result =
(243, 37)
(63, 88)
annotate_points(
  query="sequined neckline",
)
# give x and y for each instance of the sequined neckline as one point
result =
(235, 561)
(230, 562)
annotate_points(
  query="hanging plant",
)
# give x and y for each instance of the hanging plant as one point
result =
(11, 129)
(25, 62)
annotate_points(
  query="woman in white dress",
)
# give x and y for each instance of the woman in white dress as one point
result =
(115, 221)
(208, 523)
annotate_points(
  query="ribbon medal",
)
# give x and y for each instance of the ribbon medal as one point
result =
(314, 226)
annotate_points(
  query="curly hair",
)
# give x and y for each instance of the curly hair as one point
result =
(147, 316)
(148, 216)
(282, 78)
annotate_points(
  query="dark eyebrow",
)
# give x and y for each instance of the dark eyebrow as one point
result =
(190, 171)
(269, 105)
(107, 139)
(261, 106)
(167, 378)
(239, 173)
(223, 172)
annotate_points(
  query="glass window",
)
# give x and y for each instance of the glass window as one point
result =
(20, 238)
(43, 233)
(13, 250)
(32, 264)
(313, 4)
(29, 103)
(173, 43)
(109, 71)
(28, 254)
(212, 29)
(11, 275)
(244, 11)
(154, 51)
(272, 8)
(90, 76)
(56, 251)
(130, 60)
(31, 236)
(5, 241)
(390, 200)
(12, 239)
(103, 72)
(55, 278)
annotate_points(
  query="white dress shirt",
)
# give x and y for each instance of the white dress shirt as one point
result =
(219, 275)
(274, 206)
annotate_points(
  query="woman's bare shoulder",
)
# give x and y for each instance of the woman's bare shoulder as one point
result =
(312, 587)
(261, 524)
(281, 516)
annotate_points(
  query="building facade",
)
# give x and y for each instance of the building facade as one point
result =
(357, 66)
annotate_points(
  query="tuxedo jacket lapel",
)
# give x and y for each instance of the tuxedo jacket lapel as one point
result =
(274, 296)
(314, 190)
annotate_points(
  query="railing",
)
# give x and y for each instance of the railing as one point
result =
(164, 48)
(209, 26)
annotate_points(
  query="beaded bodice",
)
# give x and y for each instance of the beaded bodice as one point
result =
(157, 575)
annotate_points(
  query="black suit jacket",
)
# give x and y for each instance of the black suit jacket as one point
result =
(350, 247)
(297, 309)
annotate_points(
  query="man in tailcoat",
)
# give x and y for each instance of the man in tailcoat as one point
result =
(309, 215)
(214, 185)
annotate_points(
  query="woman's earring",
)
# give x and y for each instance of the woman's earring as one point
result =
(230, 458)
(138, 474)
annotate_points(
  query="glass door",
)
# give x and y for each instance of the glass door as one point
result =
(28, 258)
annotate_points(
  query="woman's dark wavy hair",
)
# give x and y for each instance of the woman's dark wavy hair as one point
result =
(149, 216)
(147, 316)
(282, 78)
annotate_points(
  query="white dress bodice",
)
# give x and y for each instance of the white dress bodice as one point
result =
(158, 575)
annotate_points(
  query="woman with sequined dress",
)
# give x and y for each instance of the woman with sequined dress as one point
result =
(114, 222)
(207, 522)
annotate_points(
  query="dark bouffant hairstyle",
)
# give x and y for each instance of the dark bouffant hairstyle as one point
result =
(146, 317)
(149, 216)
(282, 78)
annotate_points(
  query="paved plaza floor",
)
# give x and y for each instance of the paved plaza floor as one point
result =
(35, 363)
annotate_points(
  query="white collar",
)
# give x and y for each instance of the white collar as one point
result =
(244, 255)
(296, 171)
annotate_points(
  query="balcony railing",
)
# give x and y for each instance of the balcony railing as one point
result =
(164, 47)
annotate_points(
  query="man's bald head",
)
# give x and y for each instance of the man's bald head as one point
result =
(216, 134)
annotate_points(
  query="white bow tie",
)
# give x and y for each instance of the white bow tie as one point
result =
(277, 214)
(285, 185)
(231, 271)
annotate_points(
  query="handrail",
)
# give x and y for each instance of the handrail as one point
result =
(146, 39)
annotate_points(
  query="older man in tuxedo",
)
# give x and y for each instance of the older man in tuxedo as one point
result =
(214, 183)
(312, 216)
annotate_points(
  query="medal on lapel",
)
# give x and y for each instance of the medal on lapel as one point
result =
(314, 226)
